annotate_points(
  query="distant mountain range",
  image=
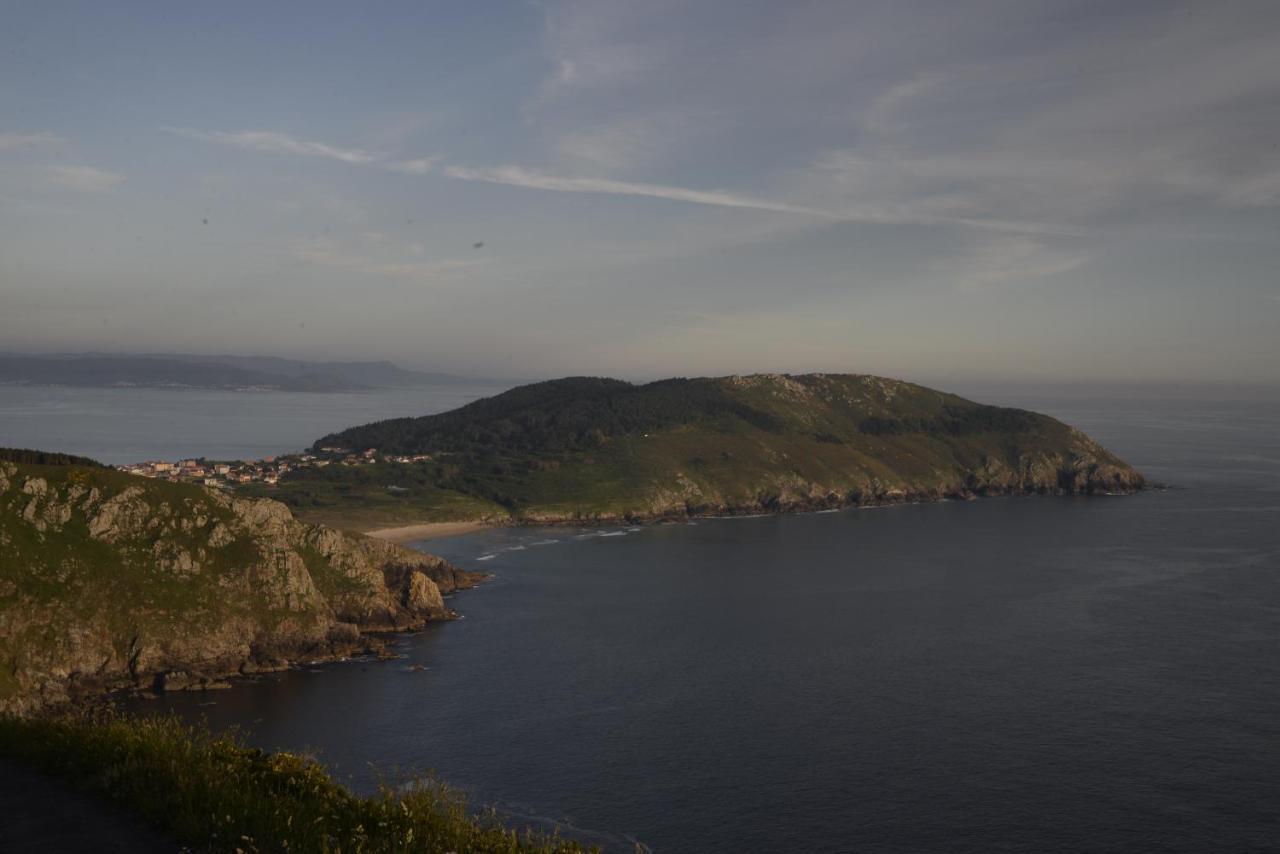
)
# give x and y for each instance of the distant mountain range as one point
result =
(217, 372)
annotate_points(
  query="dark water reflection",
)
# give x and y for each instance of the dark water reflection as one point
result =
(1016, 674)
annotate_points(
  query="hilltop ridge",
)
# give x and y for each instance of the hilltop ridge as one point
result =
(590, 448)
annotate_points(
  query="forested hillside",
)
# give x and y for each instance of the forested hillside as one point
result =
(590, 448)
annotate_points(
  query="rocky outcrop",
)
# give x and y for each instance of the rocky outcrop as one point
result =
(109, 581)
(1082, 468)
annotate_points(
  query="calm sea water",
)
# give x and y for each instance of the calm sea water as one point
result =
(130, 425)
(1036, 674)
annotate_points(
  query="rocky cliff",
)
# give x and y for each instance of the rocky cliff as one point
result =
(109, 581)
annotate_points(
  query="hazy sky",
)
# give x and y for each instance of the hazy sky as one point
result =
(930, 190)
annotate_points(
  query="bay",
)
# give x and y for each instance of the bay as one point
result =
(1049, 674)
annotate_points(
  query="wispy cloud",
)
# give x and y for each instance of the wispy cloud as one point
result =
(885, 214)
(279, 143)
(516, 176)
(519, 176)
(1058, 135)
(84, 179)
(1007, 260)
(420, 166)
(1026, 136)
(13, 140)
(881, 116)
(329, 253)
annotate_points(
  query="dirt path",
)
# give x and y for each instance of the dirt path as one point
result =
(41, 815)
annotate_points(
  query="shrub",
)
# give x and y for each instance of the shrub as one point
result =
(216, 794)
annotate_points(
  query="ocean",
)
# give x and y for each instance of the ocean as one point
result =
(128, 425)
(1015, 674)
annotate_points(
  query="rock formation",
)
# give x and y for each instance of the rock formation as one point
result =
(109, 581)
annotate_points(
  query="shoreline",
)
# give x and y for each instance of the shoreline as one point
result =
(437, 530)
(426, 531)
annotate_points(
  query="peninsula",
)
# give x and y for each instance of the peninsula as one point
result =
(599, 450)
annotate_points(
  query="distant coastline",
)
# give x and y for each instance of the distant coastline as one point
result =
(222, 373)
(424, 531)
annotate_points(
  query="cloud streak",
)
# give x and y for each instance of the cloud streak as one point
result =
(519, 176)
(84, 179)
(327, 253)
(277, 143)
(516, 176)
(14, 140)
(1007, 260)
(274, 142)
(888, 214)
(420, 166)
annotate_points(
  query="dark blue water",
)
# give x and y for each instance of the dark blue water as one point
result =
(1035, 674)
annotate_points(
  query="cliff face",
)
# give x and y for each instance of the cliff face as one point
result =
(1078, 471)
(109, 581)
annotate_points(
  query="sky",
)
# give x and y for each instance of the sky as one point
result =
(1033, 191)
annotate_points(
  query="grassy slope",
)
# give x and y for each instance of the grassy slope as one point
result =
(72, 576)
(215, 794)
(49, 567)
(359, 498)
(605, 449)
(109, 580)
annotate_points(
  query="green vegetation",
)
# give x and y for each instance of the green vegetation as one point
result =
(588, 448)
(372, 496)
(45, 458)
(215, 794)
(109, 581)
(76, 569)
(74, 572)
(557, 416)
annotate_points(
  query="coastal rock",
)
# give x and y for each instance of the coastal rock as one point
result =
(108, 581)
(121, 516)
(420, 595)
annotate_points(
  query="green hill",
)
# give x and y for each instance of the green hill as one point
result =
(601, 449)
(113, 581)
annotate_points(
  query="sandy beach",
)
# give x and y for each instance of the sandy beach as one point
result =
(426, 531)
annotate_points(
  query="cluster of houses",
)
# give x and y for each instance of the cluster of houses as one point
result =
(267, 470)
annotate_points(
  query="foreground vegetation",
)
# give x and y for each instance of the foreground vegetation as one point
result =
(598, 449)
(215, 794)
